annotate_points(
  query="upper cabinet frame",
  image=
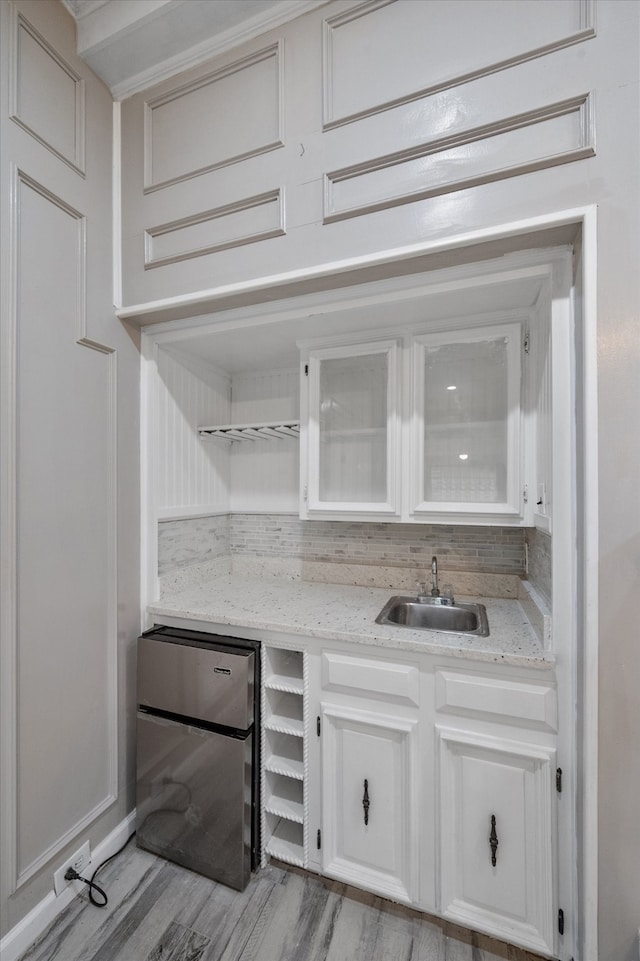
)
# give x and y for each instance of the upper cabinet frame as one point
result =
(350, 431)
(466, 435)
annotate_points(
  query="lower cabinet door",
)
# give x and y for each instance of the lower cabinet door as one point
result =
(497, 837)
(369, 801)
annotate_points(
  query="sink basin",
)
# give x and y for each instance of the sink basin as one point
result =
(433, 615)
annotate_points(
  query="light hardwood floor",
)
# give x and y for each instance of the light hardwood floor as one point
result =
(158, 911)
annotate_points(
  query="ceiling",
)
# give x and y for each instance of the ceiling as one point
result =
(132, 44)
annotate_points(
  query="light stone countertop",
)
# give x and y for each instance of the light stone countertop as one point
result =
(340, 612)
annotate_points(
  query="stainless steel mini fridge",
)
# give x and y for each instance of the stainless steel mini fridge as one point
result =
(197, 764)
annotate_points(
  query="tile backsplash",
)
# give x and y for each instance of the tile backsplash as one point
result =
(539, 550)
(191, 540)
(474, 560)
(496, 550)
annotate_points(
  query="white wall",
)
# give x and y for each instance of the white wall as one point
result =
(387, 125)
(70, 423)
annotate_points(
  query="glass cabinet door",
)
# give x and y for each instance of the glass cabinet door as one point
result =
(467, 421)
(352, 434)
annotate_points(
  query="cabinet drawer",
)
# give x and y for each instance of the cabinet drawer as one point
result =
(517, 702)
(388, 680)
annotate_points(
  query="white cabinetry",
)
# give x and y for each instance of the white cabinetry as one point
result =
(429, 426)
(435, 785)
(497, 803)
(496, 837)
(369, 767)
(367, 804)
(351, 442)
(466, 439)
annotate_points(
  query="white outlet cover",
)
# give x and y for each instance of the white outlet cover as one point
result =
(80, 861)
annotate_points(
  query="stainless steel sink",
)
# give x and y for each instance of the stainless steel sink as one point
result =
(434, 615)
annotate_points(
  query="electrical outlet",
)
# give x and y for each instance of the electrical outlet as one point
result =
(79, 861)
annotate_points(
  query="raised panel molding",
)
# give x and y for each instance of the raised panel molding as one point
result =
(222, 118)
(21, 180)
(394, 872)
(22, 867)
(232, 225)
(555, 134)
(359, 46)
(387, 680)
(515, 702)
(516, 898)
(36, 65)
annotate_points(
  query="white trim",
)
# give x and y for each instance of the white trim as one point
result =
(190, 513)
(25, 932)
(203, 301)
(523, 265)
(9, 524)
(149, 581)
(588, 573)
(65, 839)
(116, 203)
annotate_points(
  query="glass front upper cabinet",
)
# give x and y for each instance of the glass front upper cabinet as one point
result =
(467, 422)
(352, 461)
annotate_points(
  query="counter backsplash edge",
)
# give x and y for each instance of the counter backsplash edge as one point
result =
(478, 561)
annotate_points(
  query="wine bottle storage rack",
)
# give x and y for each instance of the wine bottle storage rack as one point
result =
(283, 756)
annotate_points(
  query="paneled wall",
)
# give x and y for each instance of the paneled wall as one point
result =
(69, 452)
(266, 159)
(388, 125)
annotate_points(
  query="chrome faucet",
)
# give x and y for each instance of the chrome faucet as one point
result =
(435, 591)
(446, 599)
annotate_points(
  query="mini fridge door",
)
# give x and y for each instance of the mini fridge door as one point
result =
(194, 798)
(208, 682)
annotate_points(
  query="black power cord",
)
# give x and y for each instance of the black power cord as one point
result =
(72, 875)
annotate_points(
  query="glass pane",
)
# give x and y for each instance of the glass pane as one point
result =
(465, 417)
(353, 429)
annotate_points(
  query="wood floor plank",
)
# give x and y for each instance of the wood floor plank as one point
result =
(229, 917)
(247, 937)
(119, 944)
(177, 895)
(297, 924)
(159, 911)
(365, 933)
(81, 926)
(179, 943)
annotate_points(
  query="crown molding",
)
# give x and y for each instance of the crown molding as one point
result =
(115, 40)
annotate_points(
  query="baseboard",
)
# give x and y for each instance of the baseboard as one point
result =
(26, 931)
